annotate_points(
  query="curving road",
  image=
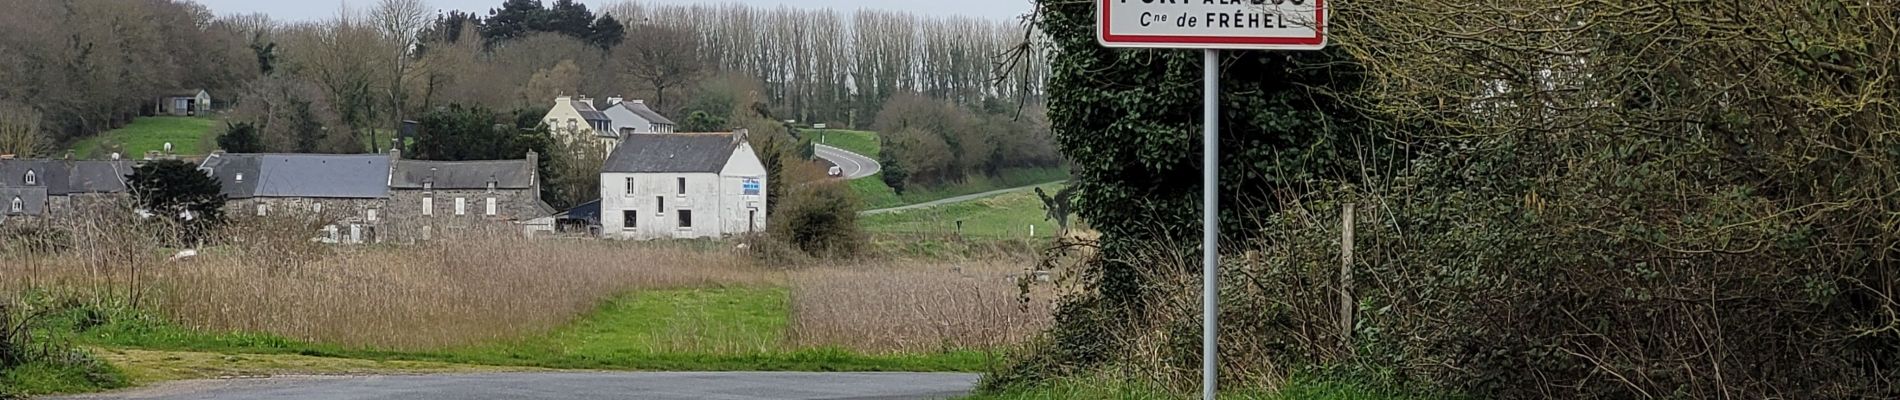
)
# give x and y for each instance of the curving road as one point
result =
(586, 385)
(855, 166)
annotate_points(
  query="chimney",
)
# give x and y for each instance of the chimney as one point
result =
(640, 102)
(562, 100)
(588, 100)
(534, 172)
(611, 101)
(739, 136)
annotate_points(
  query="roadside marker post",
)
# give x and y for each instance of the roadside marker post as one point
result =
(1239, 25)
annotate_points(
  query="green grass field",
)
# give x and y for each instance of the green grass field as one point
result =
(188, 135)
(720, 329)
(1005, 216)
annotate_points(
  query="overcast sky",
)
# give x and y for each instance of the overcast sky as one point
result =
(306, 10)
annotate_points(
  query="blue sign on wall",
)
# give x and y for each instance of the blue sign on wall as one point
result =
(751, 186)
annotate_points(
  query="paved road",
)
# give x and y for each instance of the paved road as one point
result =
(855, 165)
(958, 199)
(589, 385)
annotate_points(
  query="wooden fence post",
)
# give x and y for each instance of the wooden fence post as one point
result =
(1346, 303)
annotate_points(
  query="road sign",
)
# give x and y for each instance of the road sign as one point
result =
(1213, 24)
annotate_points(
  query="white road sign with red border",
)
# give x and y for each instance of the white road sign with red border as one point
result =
(1213, 24)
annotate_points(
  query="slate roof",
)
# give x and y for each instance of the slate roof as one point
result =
(228, 168)
(506, 174)
(644, 112)
(98, 176)
(359, 176)
(679, 152)
(184, 93)
(62, 177)
(32, 200)
(589, 113)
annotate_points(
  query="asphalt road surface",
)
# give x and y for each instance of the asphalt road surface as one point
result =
(854, 165)
(958, 199)
(588, 385)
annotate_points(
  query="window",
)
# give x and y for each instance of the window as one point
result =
(629, 186)
(491, 207)
(316, 208)
(660, 204)
(491, 186)
(32, 178)
(240, 177)
(461, 206)
(428, 206)
(428, 186)
(572, 126)
(370, 215)
(553, 122)
(686, 218)
(18, 206)
(682, 185)
(263, 209)
(630, 219)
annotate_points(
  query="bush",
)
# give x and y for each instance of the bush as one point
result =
(32, 363)
(819, 218)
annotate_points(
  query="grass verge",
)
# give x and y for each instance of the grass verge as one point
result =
(875, 194)
(722, 329)
(186, 134)
(1004, 216)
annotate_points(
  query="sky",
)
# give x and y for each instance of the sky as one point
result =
(310, 10)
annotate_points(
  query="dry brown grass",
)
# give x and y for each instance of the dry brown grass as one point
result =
(469, 291)
(916, 306)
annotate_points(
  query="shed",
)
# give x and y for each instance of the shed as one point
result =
(183, 102)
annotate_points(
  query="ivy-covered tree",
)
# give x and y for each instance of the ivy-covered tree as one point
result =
(1130, 122)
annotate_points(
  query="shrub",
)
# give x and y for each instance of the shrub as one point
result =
(819, 218)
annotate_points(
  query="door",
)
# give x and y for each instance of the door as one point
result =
(752, 220)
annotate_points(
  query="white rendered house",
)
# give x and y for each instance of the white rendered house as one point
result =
(682, 185)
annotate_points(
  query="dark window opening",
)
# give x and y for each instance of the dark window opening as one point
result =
(686, 218)
(630, 218)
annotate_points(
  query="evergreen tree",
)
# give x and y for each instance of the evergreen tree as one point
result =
(240, 137)
(176, 191)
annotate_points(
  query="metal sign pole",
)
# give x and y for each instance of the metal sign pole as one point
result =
(1210, 223)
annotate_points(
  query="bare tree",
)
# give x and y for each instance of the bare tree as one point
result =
(398, 21)
(20, 130)
(661, 57)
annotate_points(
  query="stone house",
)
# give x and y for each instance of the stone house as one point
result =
(375, 198)
(455, 196)
(55, 189)
(682, 185)
(634, 117)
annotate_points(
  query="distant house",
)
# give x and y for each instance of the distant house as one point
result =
(374, 198)
(634, 117)
(183, 103)
(682, 185)
(576, 119)
(45, 188)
